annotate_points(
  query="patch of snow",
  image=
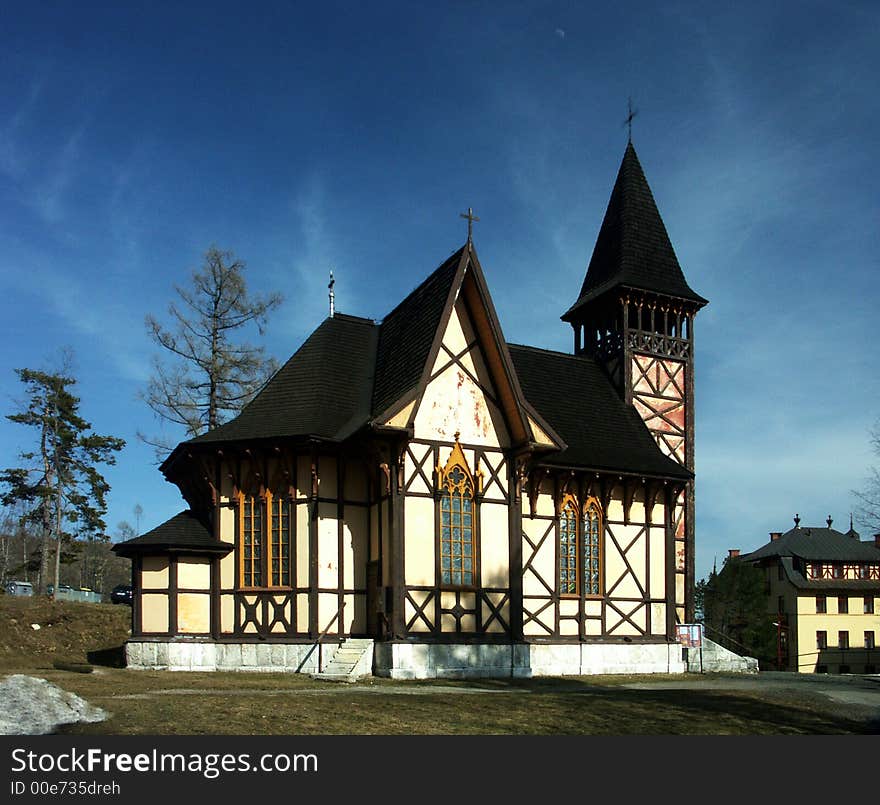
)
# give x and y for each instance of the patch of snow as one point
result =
(34, 706)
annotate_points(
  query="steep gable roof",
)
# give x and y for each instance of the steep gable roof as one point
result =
(407, 334)
(633, 249)
(600, 430)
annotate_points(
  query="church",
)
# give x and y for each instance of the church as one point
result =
(424, 499)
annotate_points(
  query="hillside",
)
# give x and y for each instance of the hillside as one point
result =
(69, 632)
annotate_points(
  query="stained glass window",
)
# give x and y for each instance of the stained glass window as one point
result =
(591, 539)
(457, 528)
(579, 548)
(568, 549)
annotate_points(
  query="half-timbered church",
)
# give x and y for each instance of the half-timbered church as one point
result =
(417, 497)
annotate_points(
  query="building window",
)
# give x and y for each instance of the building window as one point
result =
(842, 604)
(279, 544)
(780, 573)
(251, 542)
(821, 640)
(869, 605)
(264, 560)
(580, 540)
(843, 640)
(837, 571)
(869, 640)
(821, 607)
(457, 521)
(780, 603)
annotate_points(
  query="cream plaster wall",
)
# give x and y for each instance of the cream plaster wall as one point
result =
(155, 574)
(193, 613)
(194, 573)
(154, 612)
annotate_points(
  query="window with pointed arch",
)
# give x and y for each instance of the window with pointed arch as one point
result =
(264, 541)
(580, 541)
(458, 544)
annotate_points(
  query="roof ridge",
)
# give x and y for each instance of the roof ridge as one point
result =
(352, 318)
(456, 253)
(549, 351)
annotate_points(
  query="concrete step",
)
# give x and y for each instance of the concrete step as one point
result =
(342, 665)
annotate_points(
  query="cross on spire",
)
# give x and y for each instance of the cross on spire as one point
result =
(470, 219)
(631, 113)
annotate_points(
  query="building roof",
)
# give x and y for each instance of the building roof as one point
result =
(407, 333)
(817, 544)
(322, 391)
(600, 430)
(185, 532)
(633, 249)
(352, 370)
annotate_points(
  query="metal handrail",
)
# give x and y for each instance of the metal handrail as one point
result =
(321, 636)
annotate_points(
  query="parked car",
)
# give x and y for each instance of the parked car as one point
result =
(121, 594)
(20, 588)
(62, 588)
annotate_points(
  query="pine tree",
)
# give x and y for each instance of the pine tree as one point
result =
(59, 485)
(207, 377)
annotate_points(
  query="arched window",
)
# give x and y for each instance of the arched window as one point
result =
(591, 530)
(264, 541)
(580, 546)
(457, 521)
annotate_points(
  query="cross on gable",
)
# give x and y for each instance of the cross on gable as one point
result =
(470, 219)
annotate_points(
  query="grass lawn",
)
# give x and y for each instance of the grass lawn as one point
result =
(168, 703)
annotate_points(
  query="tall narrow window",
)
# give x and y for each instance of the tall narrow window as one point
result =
(568, 549)
(280, 542)
(842, 604)
(821, 606)
(821, 640)
(457, 521)
(869, 605)
(591, 530)
(251, 542)
(264, 541)
(843, 640)
(579, 548)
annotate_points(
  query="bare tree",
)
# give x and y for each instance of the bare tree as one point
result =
(206, 376)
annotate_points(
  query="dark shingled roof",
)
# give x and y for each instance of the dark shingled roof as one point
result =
(323, 390)
(817, 544)
(633, 247)
(602, 432)
(406, 335)
(183, 532)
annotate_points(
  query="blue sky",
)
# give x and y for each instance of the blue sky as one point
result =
(133, 136)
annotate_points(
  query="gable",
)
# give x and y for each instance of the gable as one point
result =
(460, 396)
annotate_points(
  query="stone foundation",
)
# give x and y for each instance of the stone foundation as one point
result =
(430, 661)
(415, 660)
(204, 655)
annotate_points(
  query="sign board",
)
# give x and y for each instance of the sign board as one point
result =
(690, 635)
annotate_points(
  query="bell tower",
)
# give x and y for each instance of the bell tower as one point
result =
(635, 315)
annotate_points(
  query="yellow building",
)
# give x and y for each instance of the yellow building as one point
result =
(445, 503)
(823, 589)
